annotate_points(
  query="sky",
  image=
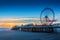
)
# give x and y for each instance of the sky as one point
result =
(26, 8)
(13, 11)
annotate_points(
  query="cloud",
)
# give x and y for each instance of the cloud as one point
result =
(10, 22)
(19, 20)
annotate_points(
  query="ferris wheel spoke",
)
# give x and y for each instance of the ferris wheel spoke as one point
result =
(47, 16)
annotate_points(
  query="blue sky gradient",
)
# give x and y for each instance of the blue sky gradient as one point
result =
(27, 8)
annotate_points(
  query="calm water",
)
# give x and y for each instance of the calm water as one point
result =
(7, 34)
(4, 29)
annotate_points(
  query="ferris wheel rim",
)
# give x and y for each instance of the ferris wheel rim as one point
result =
(47, 9)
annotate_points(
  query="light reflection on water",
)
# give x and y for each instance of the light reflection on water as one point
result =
(4, 29)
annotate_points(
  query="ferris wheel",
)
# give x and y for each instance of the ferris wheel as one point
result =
(47, 16)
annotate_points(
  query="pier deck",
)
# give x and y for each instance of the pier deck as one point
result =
(40, 28)
(47, 29)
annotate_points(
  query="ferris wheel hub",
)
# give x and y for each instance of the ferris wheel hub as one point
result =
(47, 16)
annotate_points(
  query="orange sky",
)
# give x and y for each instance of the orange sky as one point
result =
(8, 25)
(10, 22)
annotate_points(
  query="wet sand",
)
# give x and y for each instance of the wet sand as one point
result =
(17, 35)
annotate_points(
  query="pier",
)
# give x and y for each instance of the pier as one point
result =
(46, 23)
(48, 29)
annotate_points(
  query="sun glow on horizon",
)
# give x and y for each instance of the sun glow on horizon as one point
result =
(8, 25)
(10, 22)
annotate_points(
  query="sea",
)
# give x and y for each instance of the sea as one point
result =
(7, 34)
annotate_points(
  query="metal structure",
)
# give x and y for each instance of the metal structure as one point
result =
(47, 16)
